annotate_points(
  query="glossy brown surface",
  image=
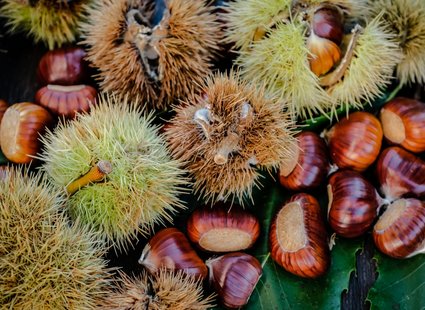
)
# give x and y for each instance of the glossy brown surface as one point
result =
(400, 174)
(63, 66)
(311, 259)
(353, 203)
(20, 128)
(312, 166)
(328, 23)
(401, 235)
(66, 100)
(222, 229)
(234, 277)
(170, 248)
(3, 108)
(411, 114)
(355, 142)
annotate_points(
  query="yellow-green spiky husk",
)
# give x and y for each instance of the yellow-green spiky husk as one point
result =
(45, 262)
(144, 184)
(164, 290)
(54, 25)
(185, 53)
(406, 18)
(264, 141)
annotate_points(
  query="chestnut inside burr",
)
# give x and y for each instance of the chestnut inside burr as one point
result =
(225, 240)
(290, 228)
(393, 126)
(289, 164)
(392, 214)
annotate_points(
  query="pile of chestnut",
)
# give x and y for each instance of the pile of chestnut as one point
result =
(62, 75)
(387, 199)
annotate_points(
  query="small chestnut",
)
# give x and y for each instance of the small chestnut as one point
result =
(62, 66)
(324, 54)
(403, 123)
(20, 129)
(234, 277)
(353, 203)
(400, 231)
(298, 238)
(327, 22)
(66, 100)
(400, 174)
(169, 248)
(355, 141)
(309, 166)
(223, 228)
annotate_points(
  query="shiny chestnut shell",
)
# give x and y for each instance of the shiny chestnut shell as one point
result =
(223, 228)
(66, 100)
(355, 141)
(327, 22)
(170, 248)
(400, 174)
(20, 128)
(62, 66)
(403, 123)
(311, 165)
(234, 277)
(400, 231)
(353, 203)
(298, 237)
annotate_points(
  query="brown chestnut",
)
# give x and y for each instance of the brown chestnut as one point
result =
(66, 100)
(62, 66)
(309, 166)
(3, 108)
(223, 229)
(169, 248)
(20, 129)
(355, 141)
(403, 123)
(400, 174)
(234, 277)
(353, 203)
(298, 238)
(400, 231)
(327, 22)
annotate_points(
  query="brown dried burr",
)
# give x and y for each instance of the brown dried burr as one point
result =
(355, 141)
(400, 174)
(353, 203)
(403, 123)
(234, 277)
(309, 167)
(169, 248)
(400, 231)
(298, 238)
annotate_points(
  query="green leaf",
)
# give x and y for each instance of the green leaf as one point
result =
(278, 289)
(400, 283)
(3, 159)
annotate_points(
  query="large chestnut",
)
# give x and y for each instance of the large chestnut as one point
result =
(309, 167)
(298, 238)
(400, 174)
(353, 203)
(400, 231)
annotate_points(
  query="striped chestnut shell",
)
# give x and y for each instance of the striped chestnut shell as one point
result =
(353, 203)
(355, 141)
(298, 237)
(309, 167)
(400, 174)
(400, 231)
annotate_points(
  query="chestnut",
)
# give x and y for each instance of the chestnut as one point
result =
(355, 141)
(20, 128)
(298, 237)
(327, 22)
(3, 108)
(309, 167)
(234, 277)
(223, 228)
(66, 100)
(353, 203)
(400, 174)
(400, 231)
(403, 123)
(169, 248)
(63, 66)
